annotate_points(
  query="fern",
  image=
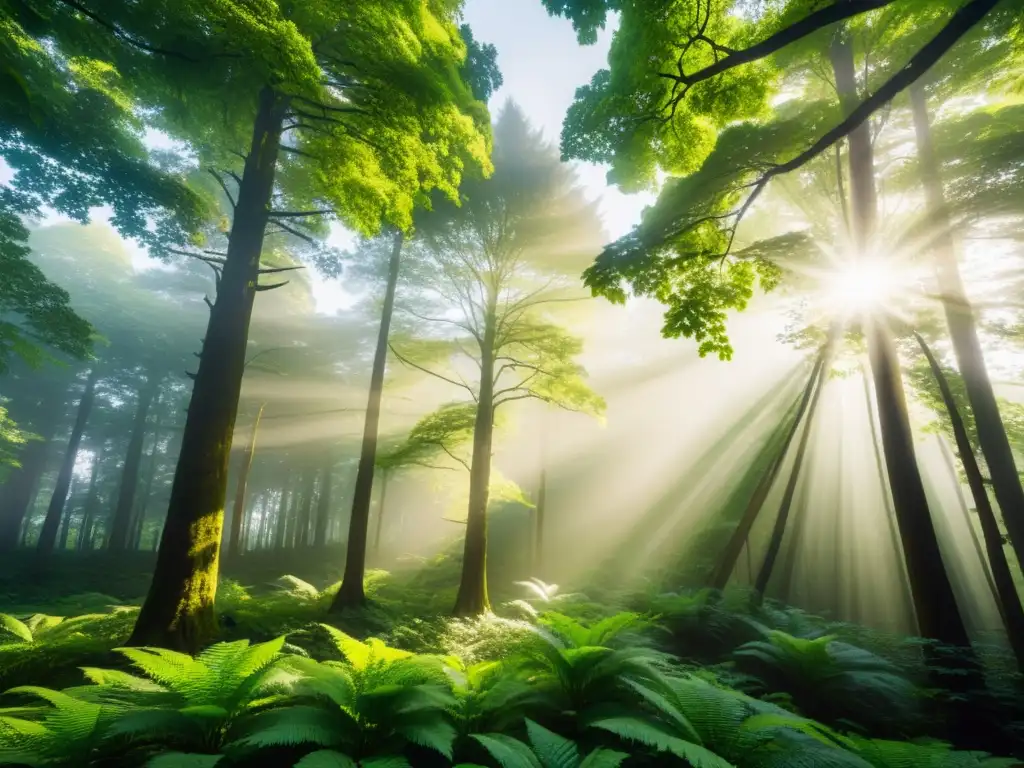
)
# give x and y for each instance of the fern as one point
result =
(634, 729)
(11, 626)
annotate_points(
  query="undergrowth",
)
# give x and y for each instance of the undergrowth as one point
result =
(557, 680)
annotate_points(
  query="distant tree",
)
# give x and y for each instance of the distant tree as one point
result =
(498, 261)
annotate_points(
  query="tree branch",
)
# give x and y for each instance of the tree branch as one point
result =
(298, 214)
(300, 235)
(275, 270)
(837, 11)
(965, 18)
(223, 186)
(430, 372)
(272, 286)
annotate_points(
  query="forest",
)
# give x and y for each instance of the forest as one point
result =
(535, 384)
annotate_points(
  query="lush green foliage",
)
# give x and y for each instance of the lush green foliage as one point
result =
(550, 692)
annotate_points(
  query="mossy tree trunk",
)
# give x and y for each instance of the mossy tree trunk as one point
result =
(235, 543)
(55, 512)
(963, 331)
(351, 593)
(178, 610)
(472, 598)
(120, 537)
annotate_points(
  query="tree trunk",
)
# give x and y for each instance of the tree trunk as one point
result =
(48, 534)
(178, 610)
(351, 593)
(995, 446)
(979, 548)
(1008, 599)
(539, 512)
(934, 602)
(472, 598)
(380, 511)
(147, 490)
(119, 537)
(65, 523)
(818, 378)
(280, 524)
(18, 492)
(238, 512)
(306, 510)
(726, 564)
(910, 617)
(84, 542)
(323, 501)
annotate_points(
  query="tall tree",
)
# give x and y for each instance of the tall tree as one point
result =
(119, 535)
(497, 264)
(235, 541)
(51, 524)
(356, 125)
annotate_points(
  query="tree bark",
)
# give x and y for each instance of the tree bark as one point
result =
(323, 501)
(238, 511)
(178, 610)
(120, 536)
(472, 599)
(351, 593)
(778, 531)
(992, 438)
(934, 602)
(1006, 591)
(726, 564)
(384, 477)
(48, 534)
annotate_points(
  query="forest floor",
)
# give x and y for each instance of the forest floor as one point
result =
(658, 678)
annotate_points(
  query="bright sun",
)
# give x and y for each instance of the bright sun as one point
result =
(860, 287)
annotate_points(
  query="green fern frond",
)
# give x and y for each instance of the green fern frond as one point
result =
(11, 626)
(291, 726)
(507, 751)
(436, 734)
(553, 750)
(637, 730)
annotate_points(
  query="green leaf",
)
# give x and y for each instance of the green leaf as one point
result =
(13, 626)
(385, 761)
(506, 751)
(553, 750)
(326, 758)
(604, 758)
(183, 760)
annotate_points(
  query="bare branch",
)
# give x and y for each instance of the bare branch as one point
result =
(299, 152)
(272, 286)
(274, 270)
(440, 444)
(299, 214)
(223, 186)
(292, 231)
(436, 375)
